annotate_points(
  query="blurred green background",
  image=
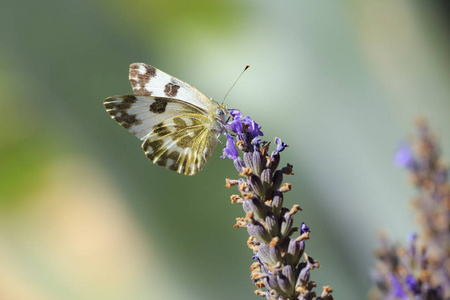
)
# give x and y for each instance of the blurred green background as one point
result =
(83, 213)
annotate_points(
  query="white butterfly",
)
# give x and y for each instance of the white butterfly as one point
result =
(178, 124)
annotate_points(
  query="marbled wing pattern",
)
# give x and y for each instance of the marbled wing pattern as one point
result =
(176, 134)
(147, 80)
(182, 143)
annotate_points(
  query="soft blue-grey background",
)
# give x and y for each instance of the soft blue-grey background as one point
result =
(84, 215)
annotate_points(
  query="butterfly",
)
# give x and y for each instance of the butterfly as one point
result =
(179, 126)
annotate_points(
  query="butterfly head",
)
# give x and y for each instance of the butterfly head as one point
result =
(221, 113)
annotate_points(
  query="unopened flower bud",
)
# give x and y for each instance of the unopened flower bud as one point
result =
(277, 180)
(272, 224)
(286, 224)
(260, 233)
(277, 202)
(257, 185)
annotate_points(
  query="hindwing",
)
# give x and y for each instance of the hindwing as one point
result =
(183, 143)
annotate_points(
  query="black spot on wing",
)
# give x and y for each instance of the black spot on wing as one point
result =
(148, 73)
(118, 107)
(150, 147)
(171, 89)
(159, 106)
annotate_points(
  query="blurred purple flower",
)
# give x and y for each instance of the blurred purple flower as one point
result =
(411, 282)
(419, 271)
(404, 157)
(397, 290)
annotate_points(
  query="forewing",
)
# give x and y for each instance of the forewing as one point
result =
(140, 114)
(150, 81)
(183, 143)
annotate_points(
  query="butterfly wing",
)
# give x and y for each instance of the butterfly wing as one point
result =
(182, 143)
(176, 134)
(150, 81)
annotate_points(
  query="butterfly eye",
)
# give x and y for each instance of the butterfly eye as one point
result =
(219, 112)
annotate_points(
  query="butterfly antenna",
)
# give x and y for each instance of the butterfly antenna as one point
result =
(245, 69)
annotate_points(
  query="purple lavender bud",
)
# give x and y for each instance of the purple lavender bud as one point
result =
(260, 233)
(284, 283)
(271, 283)
(272, 224)
(259, 162)
(292, 251)
(265, 256)
(230, 149)
(239, 164)
(286, 279)
(274, 162)
(288, 271)
(295, 251)
(277, 180)
(303, 276)
(275, 254)
(248, 159)
(247, 206)
(286, 224)
(257, 186)
(253, 128)
(404, 157)
(258, 208)
(397, 289)
(266, 177)
(277, 202)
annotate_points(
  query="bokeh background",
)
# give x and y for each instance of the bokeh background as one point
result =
(84, 215)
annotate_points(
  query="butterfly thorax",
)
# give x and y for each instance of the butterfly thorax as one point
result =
(217, 119)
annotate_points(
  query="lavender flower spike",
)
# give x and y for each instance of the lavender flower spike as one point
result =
(419, 271)
(279, 271)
